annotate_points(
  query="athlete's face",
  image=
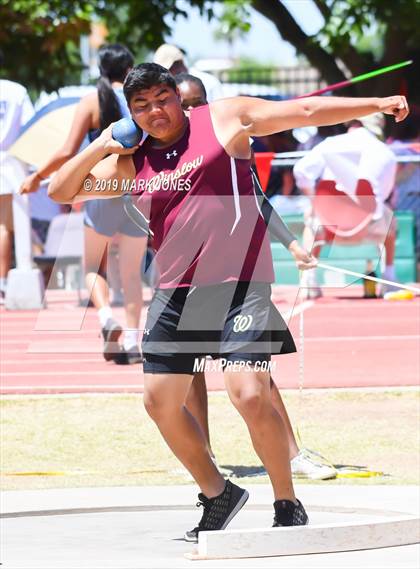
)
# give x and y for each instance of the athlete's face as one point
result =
(158, 111)
(191, 95)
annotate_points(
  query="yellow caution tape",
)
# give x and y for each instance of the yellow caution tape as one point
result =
(77, 473)
(399, 295)
(358, 473)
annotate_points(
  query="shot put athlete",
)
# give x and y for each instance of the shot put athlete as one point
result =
(193, 180)
(303, 463)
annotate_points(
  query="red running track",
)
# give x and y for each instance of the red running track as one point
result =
(349, 342)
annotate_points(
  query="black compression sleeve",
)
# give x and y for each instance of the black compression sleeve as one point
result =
(276, 226)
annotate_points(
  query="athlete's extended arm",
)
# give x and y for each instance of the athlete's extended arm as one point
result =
(96, 172)
(240, 117)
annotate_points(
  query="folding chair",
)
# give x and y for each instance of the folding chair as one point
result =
(64, 247)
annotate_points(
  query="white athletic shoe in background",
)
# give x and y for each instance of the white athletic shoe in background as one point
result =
(310, 285)
(306, 465)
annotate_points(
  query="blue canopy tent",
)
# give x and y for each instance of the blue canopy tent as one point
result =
(47, 130)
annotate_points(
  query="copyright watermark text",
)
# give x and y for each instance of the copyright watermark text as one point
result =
(129, 186)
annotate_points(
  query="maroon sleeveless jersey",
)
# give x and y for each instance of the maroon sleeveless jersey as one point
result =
(203, 211)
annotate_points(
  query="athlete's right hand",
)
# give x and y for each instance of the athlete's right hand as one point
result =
(396, 105)
(110, 145)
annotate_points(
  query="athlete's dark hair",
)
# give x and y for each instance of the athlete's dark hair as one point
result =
(115, 61)
(181, 77)
(145, 76)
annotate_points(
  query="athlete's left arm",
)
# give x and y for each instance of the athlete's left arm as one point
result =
(249, 116)
(275, 225)
(278, 229)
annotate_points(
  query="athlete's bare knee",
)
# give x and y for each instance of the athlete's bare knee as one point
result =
(154, 406)
(159, 407)
(251, 405)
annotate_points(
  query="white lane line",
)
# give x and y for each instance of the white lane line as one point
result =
(401, 337)
(57, 373)
(315, 391)
(360, 303)
(53, 361)
(362, 338)
(71, 345)
(45, 333)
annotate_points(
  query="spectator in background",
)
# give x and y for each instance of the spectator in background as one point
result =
(281, 189)
(173, 59)
(281, 181)
(15, 110)
(43, 209)
(105, 218)
(288, 199)
(192, 91)
(406, 196)
(310, 137)
(344, 160)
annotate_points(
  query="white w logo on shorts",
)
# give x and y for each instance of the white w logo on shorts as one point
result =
(242, 323)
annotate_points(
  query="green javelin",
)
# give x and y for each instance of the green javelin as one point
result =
(379, 71)
(362, 77)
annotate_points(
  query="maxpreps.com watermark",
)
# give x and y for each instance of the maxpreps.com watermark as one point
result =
(204, 365)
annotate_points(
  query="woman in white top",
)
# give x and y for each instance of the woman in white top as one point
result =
(103, 221)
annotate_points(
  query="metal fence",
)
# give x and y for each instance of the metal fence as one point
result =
(287, 81)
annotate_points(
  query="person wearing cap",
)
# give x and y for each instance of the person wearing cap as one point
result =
(353, 164)
(173, 58)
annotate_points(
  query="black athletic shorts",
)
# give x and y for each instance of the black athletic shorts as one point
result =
(236, 321)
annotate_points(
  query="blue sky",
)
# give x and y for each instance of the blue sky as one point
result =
(263, 42)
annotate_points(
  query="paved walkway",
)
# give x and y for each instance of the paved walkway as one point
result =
(141, 527)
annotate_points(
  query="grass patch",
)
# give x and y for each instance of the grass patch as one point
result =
(110, 441)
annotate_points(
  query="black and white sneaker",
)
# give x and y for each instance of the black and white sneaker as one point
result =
(218, 511)
(111, 333)
(287, 513)
(129, 357)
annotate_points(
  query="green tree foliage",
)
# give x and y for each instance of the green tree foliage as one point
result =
(361, 34)
(39, 40)
(234, 21)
